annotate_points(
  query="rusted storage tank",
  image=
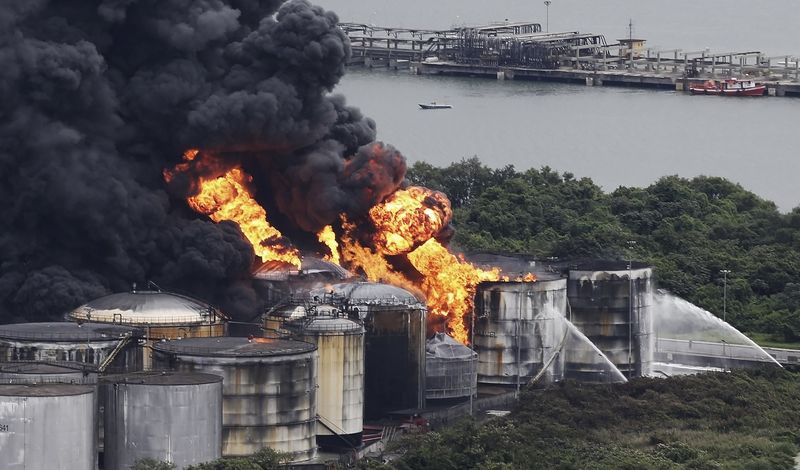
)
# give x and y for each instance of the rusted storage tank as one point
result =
(48, 426)
(611, 304)
(519, 328)
(451, 369)
(112, 348)
(166, 416)
(394, 350)
(340, 396)
(31, 372)
(268, 390)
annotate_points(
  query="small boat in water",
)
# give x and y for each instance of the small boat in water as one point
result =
(729, 87)
(434, 105)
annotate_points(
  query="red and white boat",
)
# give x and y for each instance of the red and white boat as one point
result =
(729, 87)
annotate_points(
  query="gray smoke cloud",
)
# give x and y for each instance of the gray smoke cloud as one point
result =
(98, 97)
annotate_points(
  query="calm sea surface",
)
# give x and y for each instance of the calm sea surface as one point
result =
(616, 136)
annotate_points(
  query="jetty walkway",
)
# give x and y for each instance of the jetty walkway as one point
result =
(522, 51)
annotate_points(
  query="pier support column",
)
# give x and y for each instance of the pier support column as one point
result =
(368, 62)
(501, 75)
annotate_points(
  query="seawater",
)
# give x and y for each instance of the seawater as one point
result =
(616, 136)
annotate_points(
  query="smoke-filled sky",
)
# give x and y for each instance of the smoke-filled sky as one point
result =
(98, 97)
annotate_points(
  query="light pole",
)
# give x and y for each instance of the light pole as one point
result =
(547, 22)
(725, 273)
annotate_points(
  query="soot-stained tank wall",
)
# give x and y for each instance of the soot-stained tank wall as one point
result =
(340, 396)
(90, 343)
(165, 416)
(518, 328)
(269, 390)
(394, 359)
(394, 346)
(47, 426)
(611, 305)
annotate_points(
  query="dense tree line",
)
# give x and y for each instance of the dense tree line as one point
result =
(738, 420)
(688, 229)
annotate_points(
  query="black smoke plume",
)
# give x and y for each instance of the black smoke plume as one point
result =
(98, 97)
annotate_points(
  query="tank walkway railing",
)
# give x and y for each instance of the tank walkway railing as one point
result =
(235, 350)
(66, 337)
(73, 365)
(180, 320)
(343, 328)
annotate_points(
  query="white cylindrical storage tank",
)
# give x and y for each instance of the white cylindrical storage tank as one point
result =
(519, 329)
(113, 348)
(48, 426)
(340, 396)
(451, 369)
(269, 387)
(160, 315)
(166, 416)
(27, 372)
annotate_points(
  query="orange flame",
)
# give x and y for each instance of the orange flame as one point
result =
(408, 218)
(227, 197)
(327, 237)
(449, 285)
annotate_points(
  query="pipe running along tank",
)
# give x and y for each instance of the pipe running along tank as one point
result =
(611, 303)
(519, 331)
(269, 387)
(165, 416)
(340, 396)
(48, 426)
(394, 346)
(111, 348)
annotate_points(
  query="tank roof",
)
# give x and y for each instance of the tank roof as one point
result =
(370, 293)
(606, 265)
(443, 346)
(154, 377)
(234, 347)
(147, 308)
(33, 368)
(309, 266)
(43, 390)
(66, 331)
(539, 285)
(324, 324)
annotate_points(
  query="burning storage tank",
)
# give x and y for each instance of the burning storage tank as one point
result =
(611, 304)
(519, 329)
(268, 390)
(111, 348)
(47, 426)
(394, 350)
(340, 397)
(451, 369)
(278, 283)
(31, 372)
(166, 416)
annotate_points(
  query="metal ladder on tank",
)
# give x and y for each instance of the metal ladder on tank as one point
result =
(122, 343)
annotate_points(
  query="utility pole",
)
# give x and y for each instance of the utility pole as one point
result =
(631, 244)
(725, 273)
(547, 22)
